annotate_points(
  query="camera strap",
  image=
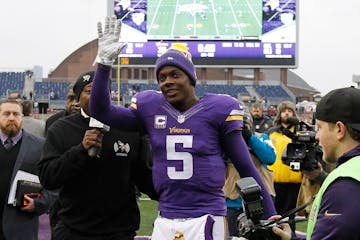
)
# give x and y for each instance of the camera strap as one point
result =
(291, 212)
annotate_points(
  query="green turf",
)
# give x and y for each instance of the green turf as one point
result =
(301, 226)
(204, 18)
(148, 212)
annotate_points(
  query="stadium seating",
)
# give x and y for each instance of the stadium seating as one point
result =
(45, 88)
(11, 82)
(272, 93)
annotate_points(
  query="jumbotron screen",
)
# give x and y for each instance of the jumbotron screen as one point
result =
(224, 33)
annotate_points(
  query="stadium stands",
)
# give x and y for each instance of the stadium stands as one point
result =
(59, 89)
(232, 90)
(272, 93)
(12, 83)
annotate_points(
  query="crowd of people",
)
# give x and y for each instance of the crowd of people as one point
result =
(183, 151)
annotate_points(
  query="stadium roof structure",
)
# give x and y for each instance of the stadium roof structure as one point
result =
(294, 80)
(272, 76)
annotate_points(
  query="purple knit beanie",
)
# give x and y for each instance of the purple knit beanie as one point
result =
(178, 56)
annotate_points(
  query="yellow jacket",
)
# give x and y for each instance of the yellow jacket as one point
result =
(282, 172)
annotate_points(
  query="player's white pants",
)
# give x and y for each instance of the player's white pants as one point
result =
(206, 227)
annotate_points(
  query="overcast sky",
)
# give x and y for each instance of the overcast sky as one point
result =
(45, 32)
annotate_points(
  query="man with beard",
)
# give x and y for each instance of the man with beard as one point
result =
(261, 123)
(19, 150)
(286, 182)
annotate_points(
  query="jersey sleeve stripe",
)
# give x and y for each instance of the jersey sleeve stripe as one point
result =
(133, 105)
(234, 118)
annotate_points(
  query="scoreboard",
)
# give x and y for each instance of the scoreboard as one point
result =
(218, 33)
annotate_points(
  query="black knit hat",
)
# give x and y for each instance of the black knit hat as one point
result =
(83, 80)
(178, 56)
(340, 105)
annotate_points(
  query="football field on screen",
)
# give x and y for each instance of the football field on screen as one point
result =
(204, 19)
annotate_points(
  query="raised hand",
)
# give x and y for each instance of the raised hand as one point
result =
(109, 45)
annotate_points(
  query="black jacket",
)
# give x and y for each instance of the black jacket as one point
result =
(97, 194)
(53, 118)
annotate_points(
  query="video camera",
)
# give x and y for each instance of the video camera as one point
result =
(304, 152)
(249, 224)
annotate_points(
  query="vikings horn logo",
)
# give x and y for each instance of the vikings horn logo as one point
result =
(179, 236)
(86, 78)
(120, 146)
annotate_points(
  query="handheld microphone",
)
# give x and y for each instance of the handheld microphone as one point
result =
(95, 151)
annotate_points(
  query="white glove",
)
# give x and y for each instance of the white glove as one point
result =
(109, 46)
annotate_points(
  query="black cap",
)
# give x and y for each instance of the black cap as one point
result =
(340, 105)
(83, 80)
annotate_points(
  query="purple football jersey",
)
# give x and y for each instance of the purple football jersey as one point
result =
(188, 167)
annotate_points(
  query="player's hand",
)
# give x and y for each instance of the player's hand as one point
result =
(109, 46)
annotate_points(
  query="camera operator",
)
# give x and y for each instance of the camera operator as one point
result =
(305, 154)
(286, 181)
(262, 153)
(332, 215)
